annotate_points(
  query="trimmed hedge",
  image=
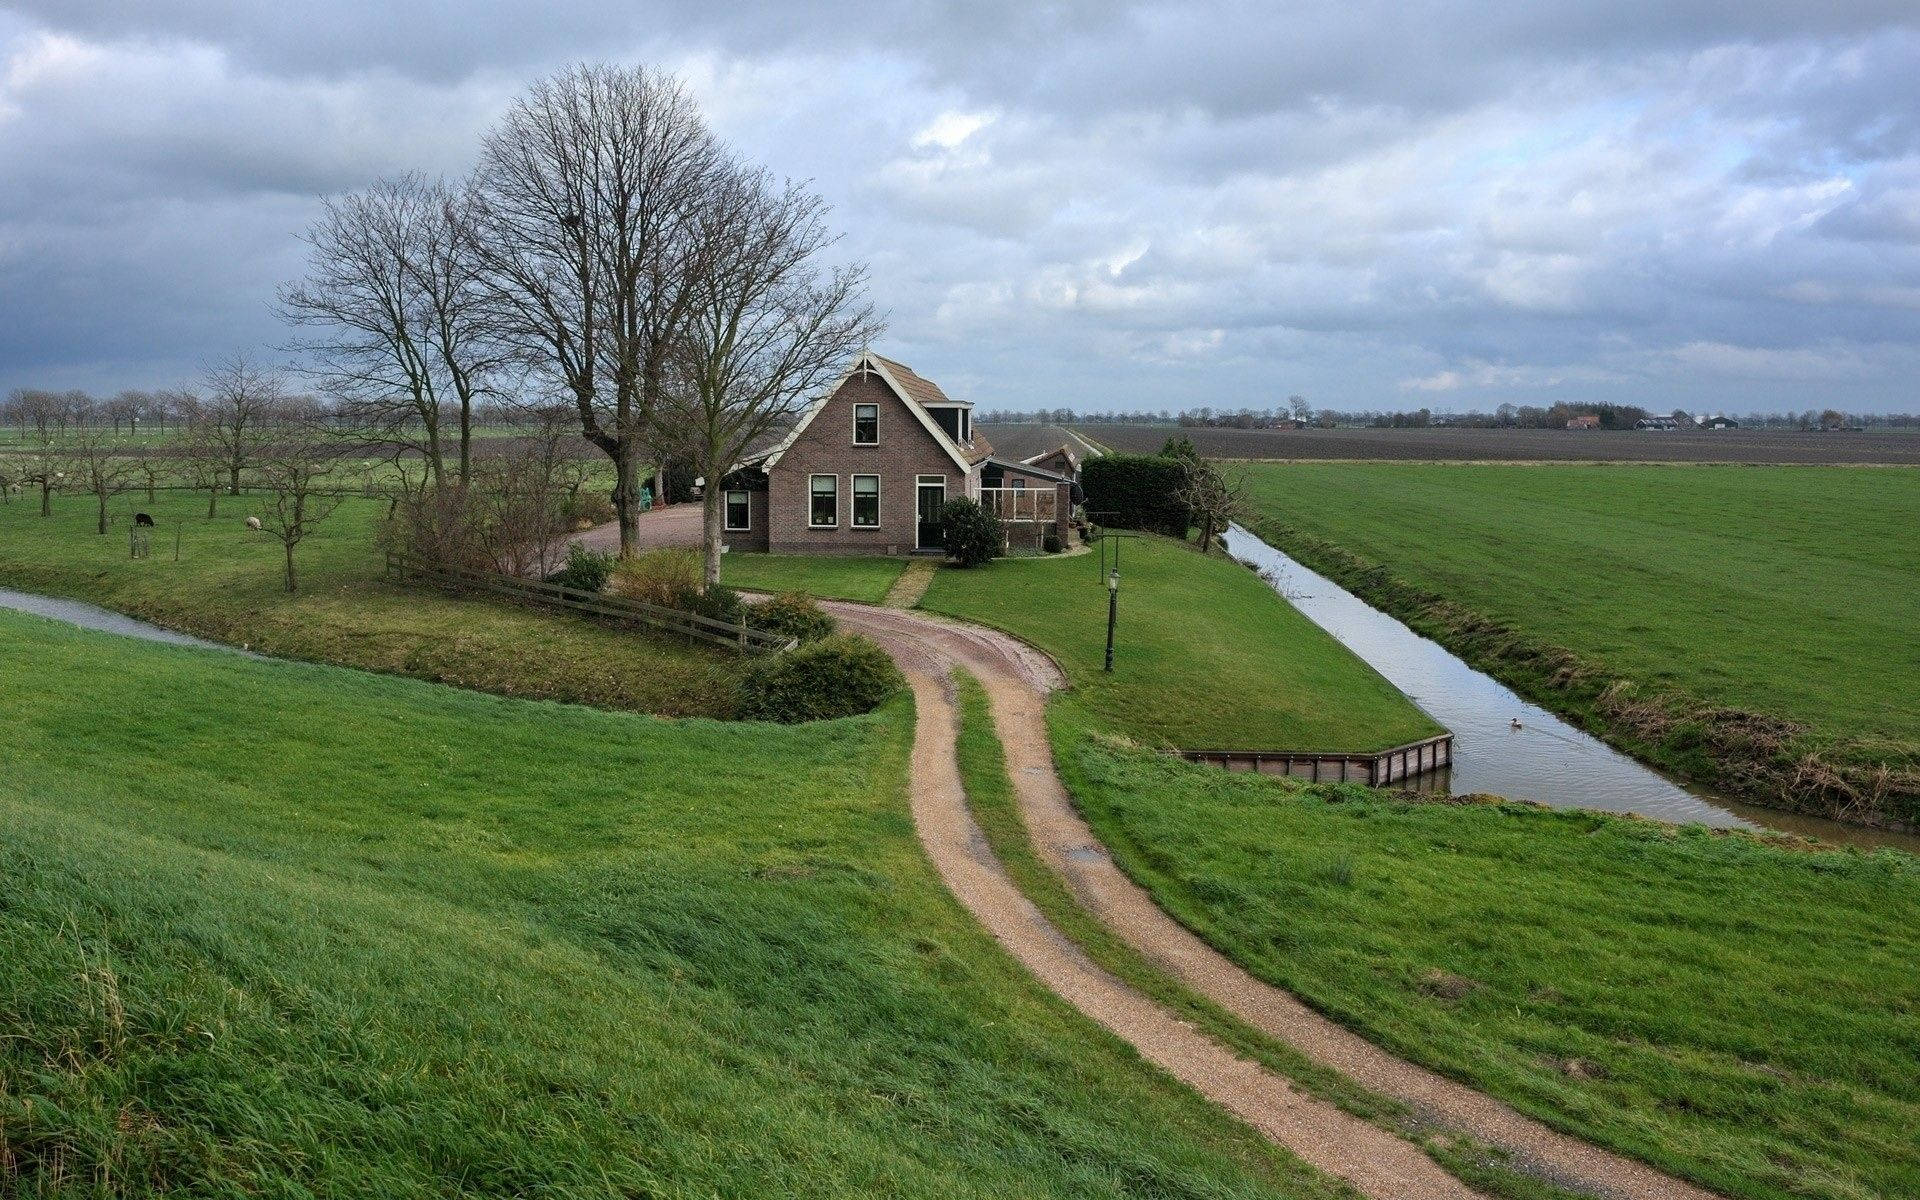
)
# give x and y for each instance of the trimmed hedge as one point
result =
(1137, 491)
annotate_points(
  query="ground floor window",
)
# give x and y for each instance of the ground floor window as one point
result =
(739, 511)
(866, 501)
(825, 510)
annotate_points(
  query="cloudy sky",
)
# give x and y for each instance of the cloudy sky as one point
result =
(1664, 202)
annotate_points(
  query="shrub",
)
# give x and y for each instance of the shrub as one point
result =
(972, 532)
(1137, 491)
(587, 570)
(659, 576)
(586, 507)
(839, 676)
(1051, 542)
(794, 615)
(671, 578)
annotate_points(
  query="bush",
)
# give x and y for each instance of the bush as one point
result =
(586, 507)
(839, 676)
(972, 532)
(587, 570)
(794, 615)
(1137, 491)
(671, 578)
(1051, 542)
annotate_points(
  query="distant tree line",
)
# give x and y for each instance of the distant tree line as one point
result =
(1297, 413)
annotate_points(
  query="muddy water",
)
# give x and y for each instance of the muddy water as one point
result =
(1505, 745)
(87, 616)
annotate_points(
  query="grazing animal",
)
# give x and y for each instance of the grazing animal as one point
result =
(142, 519)
(253, 522)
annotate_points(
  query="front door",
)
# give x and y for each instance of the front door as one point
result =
(933, 498)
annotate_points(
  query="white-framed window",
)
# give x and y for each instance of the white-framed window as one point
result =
(866, 502)
(823, 501)
(1019, 484)
(739, 511)
(866, 424)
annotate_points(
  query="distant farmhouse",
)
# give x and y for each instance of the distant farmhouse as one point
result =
(869, 465)
(1719, 422)
(1584, 421)
(1660, 423)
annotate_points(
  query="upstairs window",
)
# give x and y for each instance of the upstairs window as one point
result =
(866, 501)
(739, 512)
(866, 424)
(824, 513)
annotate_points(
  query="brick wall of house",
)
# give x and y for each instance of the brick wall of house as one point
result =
(905, 451)
(754, 538)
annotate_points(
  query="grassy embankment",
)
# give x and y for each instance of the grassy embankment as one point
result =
(1734, 1011)
(227, 587)
(1748, 627)
(1207, 656)
(463, 945)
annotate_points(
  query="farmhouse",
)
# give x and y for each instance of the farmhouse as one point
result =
(869, 465)
(1584, 421)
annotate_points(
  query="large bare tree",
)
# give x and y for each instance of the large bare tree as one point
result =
(94, 461)
(392, 298)
(770, 324)
(236, 421)
(589, 188)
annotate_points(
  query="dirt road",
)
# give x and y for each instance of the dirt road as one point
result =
(1017, 679)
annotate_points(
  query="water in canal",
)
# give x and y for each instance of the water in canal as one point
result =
(1541, 758)
(89, 616)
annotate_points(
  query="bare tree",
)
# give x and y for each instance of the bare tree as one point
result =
(295, 472)
(242, 400)
(94, 462)
(126, 408)
(588, 188)
(37, 410)
(770, 325)
(393, 292)
(42, 466)
(1215, 497)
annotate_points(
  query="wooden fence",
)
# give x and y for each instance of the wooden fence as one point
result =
(1382, 769)
(747, 640)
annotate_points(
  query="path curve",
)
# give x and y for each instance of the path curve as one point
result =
(1017, 678)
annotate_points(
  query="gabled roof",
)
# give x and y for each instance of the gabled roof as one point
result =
(895, 376)
(1063, 448)
(926, 391)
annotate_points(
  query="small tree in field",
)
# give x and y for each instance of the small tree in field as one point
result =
(301, 495)
(972, 532)
(243, 399)
(97, 465)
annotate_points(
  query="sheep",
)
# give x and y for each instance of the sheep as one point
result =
(253, 522)
(141, 518)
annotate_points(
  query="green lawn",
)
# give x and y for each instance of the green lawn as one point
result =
(1745, 1015)
(862, 578)
(279, 929)
(1782, 591)
(227, 587)
(1207, 657)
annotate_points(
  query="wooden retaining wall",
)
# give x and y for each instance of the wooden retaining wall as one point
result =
(1383, 769)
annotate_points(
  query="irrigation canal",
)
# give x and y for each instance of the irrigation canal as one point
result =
(1541, 758)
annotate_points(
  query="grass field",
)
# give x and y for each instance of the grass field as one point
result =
(1207, 656)
(465, 945)
(227, 587)
(1783, 591)
(1738, 1013)
(865, 579)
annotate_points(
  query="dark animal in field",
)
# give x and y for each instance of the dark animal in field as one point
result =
(142, 519)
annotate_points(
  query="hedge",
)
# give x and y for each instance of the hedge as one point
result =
(1136, 491)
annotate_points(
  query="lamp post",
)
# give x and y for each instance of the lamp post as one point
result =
(1113, 611)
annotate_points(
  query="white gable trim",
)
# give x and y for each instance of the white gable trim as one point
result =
(913, 406)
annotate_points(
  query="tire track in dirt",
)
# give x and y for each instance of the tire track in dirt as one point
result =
(1017, 678)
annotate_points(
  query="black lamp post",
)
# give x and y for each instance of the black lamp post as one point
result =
(1113, 610)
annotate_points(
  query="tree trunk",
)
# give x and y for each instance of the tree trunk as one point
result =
(102, 498)
(233, 478)
(46, 498)
(626, 501)
(149, 491)
(711, 500)
(213, 502)
(290, 587)
(466, 439)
